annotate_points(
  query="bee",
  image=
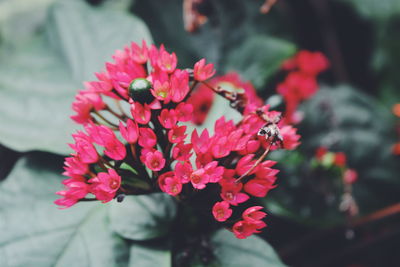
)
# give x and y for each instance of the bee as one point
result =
(271, 130)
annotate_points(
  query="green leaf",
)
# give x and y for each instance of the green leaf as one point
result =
(223, 32)
(376, 9)
(36, 233)
(258, 58)
(40, 79)
(143, 217)
(141, 255)
(250, 252)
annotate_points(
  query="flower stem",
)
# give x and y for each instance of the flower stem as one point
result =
(255, 164)
(106, 120)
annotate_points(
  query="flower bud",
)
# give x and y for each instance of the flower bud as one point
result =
(139, 90)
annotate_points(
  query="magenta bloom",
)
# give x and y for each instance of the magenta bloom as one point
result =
(147, 137)
(141, 113)
(244, 229)
(221, 211)
(199, 179)
(253, 214)
(154, 160)
(105, 185)
(202, 71)
(170, 184)
(131, 132)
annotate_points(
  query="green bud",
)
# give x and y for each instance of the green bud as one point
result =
(139, 90)
(328, 159)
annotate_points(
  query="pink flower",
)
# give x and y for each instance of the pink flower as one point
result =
(76, 189)
(131, 132)
(221, 211)
(161, 91)
(253, 214)
(311, 62)
(84, 103)
(168, 118)
(105, 185)
(199, 179)
(231, 192)
(100, 135)
(115, 149)
(182, 151)
(202, 143)
(177, 134)
(184, 112)
(139, 54)
(244, 164)
(85, 149)
(214, 171)
(250, 147)
(179, 85)
(202, 71)
(74, 166)
(290, 138)
(183, 171)
(201, 99)
(221, 147)
(167, 62)
(170, 184)
(154, 160)
(147, 138)
(244, 229)
(259, 187)
(350, 176)
(141, 113)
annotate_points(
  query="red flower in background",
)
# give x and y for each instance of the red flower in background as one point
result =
(301, 82)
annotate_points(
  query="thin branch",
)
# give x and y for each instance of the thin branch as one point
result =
(255, 164)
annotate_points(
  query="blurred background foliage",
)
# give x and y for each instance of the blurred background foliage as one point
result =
(48, 47)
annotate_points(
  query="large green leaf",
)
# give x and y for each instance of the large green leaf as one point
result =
(250, 252)
(143, 217)
(141, 255)
(38, 83)
(258, 58)
(36, 233)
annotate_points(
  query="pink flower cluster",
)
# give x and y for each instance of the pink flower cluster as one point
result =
(301, 82)
(136, 119)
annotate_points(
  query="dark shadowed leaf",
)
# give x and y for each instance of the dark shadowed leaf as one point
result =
(258, 58)
(250, 252)
(143, 217)
(142, 256)
(376, 9)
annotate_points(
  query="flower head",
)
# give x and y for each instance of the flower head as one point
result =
(139, 144)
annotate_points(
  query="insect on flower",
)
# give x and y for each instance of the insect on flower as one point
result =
(271, 130)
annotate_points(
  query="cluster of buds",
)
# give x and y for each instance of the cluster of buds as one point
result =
(349, 176)
(301, 82)
(137, 118)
